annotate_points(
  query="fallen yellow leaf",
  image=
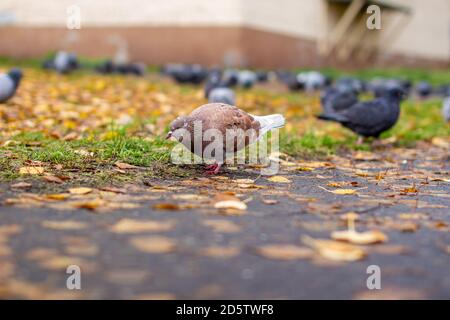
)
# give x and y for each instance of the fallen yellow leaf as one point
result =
(64, 225)
(352, 236)
(335, 250)
(166, 206)
(279, 179)
(137, 226)
(284, 252)
(31, 170)
(230, 204)
(80, 191)
(153, 244)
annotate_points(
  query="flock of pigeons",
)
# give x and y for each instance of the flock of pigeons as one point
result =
(339, 99)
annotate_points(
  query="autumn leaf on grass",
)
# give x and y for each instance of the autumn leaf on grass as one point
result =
(153, 244)
(71, 136)
(31, 170)
(353, 236)
(125, 166)
(284, 252)
(80, 191)
(279, 179)
(51, 178)
(335, 250)
(64, 225)
(137, 226)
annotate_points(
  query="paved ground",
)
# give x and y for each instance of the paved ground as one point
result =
(177, 252)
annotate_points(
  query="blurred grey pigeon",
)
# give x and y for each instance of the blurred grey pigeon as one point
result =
(312, 80)
(443, 90)
(351, 83)
(370, 118)
(446, 109)
(424, 89)
(65, 62)
(226, 120)
(338, 98)
(194, 73)
(214, 80)
(247, 79)
(9, 83)
(230, 77)
(222, 95)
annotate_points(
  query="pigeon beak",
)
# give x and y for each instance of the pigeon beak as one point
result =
(169, 135)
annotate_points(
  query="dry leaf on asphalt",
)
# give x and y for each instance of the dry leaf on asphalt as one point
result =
(335, 250)
(80, 191)
(64, 225)
(230, 204)
(57, 196)
(284, 252)
(166, 206)
(138, 226)
(279, 179)
(21, 185)
(340, 191)
(352, 236)
(153, 244)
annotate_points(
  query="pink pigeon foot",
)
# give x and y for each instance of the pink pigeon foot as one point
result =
(360, 141)
(213, 168)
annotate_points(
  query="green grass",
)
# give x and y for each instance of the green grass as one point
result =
(419, 120)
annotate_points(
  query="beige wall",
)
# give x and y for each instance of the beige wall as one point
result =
(427, 34)
(128, 12)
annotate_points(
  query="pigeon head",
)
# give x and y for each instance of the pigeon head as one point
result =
(15, 74)
(395, 93)
(179, 123)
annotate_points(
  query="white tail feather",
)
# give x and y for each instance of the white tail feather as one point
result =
(270, 122)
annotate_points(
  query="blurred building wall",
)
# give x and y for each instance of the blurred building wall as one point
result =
(261, 33)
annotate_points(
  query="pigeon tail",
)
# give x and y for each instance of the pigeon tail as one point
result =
(273, 121)
(331, 117)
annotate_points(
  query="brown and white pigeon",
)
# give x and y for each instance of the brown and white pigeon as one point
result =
(234, 127)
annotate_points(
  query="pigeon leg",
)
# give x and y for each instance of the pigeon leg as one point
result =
(360, 141)
(213, 169)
